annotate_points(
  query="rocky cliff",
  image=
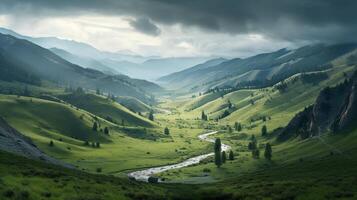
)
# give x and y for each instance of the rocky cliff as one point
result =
(335, 109)
(14, 142)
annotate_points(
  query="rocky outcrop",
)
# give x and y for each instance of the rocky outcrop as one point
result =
(14, 142)
(335, 109)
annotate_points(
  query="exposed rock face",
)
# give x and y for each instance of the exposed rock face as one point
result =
(335, 109)
(14, 142)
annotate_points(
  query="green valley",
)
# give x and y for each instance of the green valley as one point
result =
(81, 123)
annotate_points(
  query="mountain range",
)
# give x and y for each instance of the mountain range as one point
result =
(120, 62)
(24, 61)
(257, 71)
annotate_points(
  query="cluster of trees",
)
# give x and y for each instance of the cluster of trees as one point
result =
(204, 117)
(253, 147)
(95, 128)
(93, 144)
(237, 126)
(282, 86)
(220, 156)
(225, 114)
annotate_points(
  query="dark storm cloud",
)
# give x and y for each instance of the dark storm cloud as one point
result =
(144, 25)
(322, 20)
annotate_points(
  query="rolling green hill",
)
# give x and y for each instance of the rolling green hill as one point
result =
(133, 104)
(106, 109)
(45, 120)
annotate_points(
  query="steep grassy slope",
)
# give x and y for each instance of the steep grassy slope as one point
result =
(106, 109)
(133, 104)
(250, 107)
(264, 69)
(46, 119)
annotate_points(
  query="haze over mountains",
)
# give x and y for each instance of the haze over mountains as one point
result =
(87, 56)
(24, 61)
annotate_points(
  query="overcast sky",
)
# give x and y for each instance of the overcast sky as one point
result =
(233, 28)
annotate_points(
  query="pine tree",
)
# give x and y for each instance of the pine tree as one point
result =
(151, 116)
(217, 159)
(231, 155)
(217, 152)
(106, 130)
(95, 126)
(239, 127)
(217, 145)
(264, 130)
(204, 116)
(268, 151)
(97, 144)
(224, 157)
(51, 143)
(166, 131)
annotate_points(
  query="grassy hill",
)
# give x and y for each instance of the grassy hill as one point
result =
(69, 127)
(261, 70)
(106, 109)
(133, 104)
(44, 119)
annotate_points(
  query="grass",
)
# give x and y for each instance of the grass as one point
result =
(68, 127)
(134, 104)
(316, 168)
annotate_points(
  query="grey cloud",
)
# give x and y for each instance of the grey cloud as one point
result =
(144, 25)
(293, 20)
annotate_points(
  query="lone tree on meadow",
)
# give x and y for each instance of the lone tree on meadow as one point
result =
(106, 130)
(95, 126)
(264, 130)
(217, 152)
(204, 116)
(166, 131)
(151, 116)
(268, 153)
(237, 126)
(231, 155)
(224, 157)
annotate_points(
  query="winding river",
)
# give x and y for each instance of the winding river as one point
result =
(143, 175)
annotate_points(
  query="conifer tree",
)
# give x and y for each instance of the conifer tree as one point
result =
(264, 130)
(268, 153)
(95, 126)
(166, 131)
(217, 152)
(224, 157)
(106, 130)
(231, 155)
